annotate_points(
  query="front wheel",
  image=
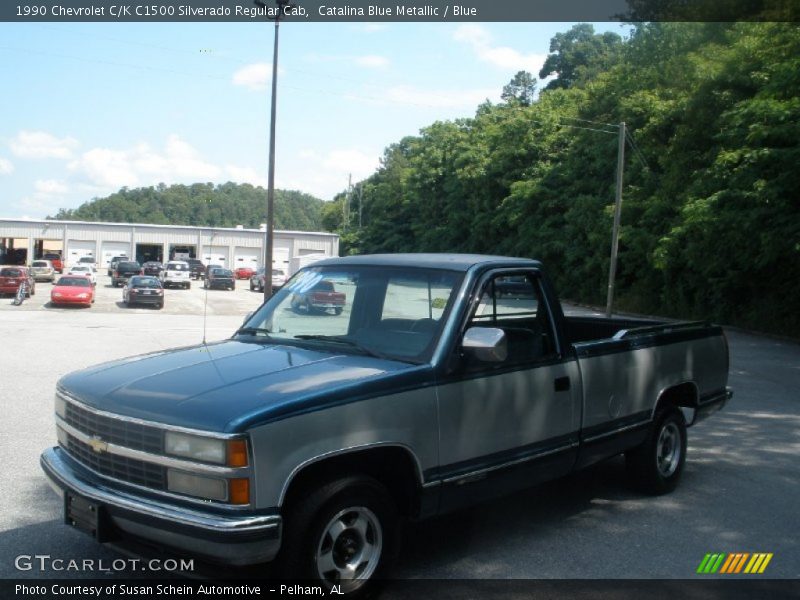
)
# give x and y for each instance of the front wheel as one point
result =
(656, 465)
(344, 534)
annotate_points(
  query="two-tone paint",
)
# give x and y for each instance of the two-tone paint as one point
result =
(463, 436)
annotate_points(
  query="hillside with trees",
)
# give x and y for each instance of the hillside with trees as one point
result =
(711, 196)
(202, 204)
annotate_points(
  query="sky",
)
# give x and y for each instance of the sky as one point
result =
(91, 107)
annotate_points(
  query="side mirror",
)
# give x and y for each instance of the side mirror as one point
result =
(486, 343)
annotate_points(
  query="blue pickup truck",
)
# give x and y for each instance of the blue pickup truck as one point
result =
(309, 436)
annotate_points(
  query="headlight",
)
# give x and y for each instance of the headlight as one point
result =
(232, 453)
(83, 295)
(196, 485)
(56, 294)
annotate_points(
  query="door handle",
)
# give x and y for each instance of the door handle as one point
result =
(561, 384)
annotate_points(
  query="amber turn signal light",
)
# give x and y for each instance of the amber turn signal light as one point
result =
(237, 453)
(239, 491)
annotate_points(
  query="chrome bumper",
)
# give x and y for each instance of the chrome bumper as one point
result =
(236, 539)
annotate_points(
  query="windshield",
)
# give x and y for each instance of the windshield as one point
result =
(221, 273)
(74, 282)
(386, 312)
(145, 282)
(40, 264)
(11, 272)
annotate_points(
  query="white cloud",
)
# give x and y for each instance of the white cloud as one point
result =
(504, 57)
(439, 98)
(324, 173)
(372, 61)
(40, 144)
(142, 165)
(245, 175)
(50, 187)
(6, 168)
(254, 77)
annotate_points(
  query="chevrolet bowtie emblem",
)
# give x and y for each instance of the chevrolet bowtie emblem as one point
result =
(98, 445)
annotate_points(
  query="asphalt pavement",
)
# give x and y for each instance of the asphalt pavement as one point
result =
(738, 492)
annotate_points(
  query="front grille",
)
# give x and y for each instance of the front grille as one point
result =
(123, 468)
(116, 431)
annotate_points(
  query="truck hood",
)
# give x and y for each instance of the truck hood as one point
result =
(231, 385)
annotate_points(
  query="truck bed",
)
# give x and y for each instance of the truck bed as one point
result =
(591, 329)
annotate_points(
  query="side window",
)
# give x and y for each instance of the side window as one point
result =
(513, 303)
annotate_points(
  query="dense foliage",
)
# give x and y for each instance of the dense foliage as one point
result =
(711, 205)
(202, 204)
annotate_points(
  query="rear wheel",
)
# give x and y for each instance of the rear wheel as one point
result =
(343, 533)
(656, 465)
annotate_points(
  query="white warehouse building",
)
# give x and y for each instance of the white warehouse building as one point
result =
(22, 241)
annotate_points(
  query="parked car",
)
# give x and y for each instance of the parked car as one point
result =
(83, 271)
(217, 277)
(257, 280)
(311, 441)
(72, 289)
(244, 272)
(124, 270)
(197, 270)
(321, 297)
(55, 260)
(11, 277)
(152, 267)
(143, 289)
(42, 270)
(112, 264)
(278, 278)
(88, 261)
(176, 274)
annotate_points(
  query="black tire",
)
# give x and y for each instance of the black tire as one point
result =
(338, 310)
(160, 306)
(252, 289)
(655, 466)
(309, 545)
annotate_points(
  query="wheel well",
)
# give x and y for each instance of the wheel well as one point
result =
(392, 466)
(682, 395)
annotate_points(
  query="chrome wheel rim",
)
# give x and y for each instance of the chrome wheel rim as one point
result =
(668, 450)
(349, 549)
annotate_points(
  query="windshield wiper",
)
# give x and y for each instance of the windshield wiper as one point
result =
(253, 330)
(343, 340)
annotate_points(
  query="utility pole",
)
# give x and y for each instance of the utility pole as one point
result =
(268, 235)
(346, 203)
(360, 201)
(612, 270)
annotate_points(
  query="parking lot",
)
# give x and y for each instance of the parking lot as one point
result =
(176, 301)
(736, 496)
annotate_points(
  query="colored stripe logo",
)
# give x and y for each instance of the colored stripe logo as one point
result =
(736, 562)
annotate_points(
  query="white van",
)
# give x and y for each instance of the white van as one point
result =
(176, 273)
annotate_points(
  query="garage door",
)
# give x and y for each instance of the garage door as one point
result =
(280, 259)
(215, 255)
(79, 248)
(246, 257)
(109, 250)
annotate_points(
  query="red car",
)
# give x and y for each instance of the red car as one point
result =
(54, 258)
(244, 272)
(12, 277)
(73, 289)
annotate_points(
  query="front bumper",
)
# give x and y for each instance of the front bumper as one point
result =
(233, 539)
